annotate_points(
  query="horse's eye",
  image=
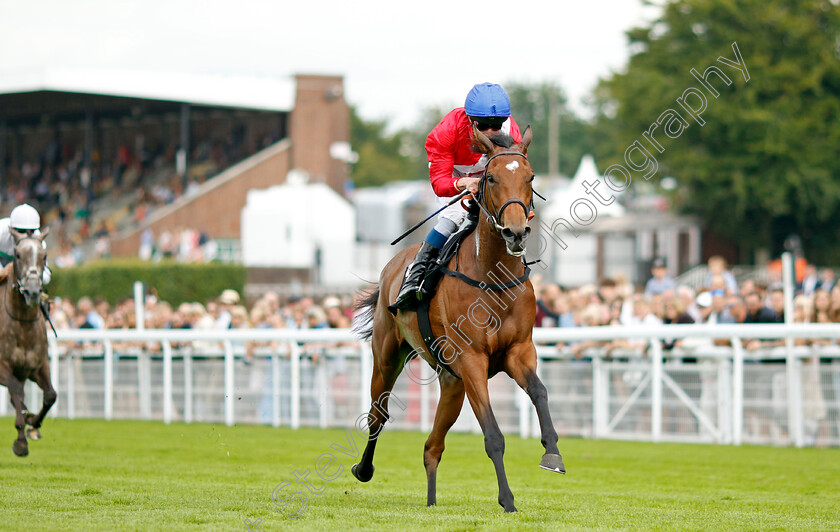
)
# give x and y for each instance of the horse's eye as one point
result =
(490, 178)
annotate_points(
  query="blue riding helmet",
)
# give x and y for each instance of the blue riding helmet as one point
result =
(486, 100)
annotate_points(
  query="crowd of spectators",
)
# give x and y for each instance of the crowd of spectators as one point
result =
(661, 301)
(227, 311)
(66, 189)
(612, 302)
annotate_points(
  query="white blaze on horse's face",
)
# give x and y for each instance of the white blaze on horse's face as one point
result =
(30, 258)
(507, 196)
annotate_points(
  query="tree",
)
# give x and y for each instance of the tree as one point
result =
(532, 105)
(382, 157)
(758, 162)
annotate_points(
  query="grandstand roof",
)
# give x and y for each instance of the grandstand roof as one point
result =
(222, 91)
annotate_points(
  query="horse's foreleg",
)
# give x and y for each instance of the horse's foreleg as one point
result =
(386, 369)
(15, 387)
(521, 365)
(42, 379)
(448, 408)
(474, 374)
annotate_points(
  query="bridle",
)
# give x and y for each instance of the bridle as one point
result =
(19, 282)
(494, 218)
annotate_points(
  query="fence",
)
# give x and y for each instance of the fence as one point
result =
(699, 392)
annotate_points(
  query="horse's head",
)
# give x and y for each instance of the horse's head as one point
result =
(507, 183)
(29, 262)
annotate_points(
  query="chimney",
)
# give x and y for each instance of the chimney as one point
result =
(319, 119)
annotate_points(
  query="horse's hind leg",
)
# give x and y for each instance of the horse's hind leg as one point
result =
(448, 408)
(42, 379)
(521, 365)
(15, 387)
(387, 364)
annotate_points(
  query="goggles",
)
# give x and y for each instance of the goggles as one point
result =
(483, 124)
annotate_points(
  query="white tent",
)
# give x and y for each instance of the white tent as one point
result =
(297, 225)
(562, 198)
(577, 263)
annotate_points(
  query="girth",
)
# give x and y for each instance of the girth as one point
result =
(424, 324)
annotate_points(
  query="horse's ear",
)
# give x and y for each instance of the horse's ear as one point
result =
(484, 143)
(17, 235)
(527, 136)
(44, 234)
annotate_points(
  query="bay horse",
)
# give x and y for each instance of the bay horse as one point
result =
(23, 334)
(487, 326)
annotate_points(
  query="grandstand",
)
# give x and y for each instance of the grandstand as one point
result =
(113, 155)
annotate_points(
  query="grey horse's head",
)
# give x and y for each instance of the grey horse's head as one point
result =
(29, 262)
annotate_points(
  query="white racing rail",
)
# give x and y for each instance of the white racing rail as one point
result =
(321, 377)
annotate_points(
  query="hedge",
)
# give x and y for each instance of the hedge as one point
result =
(173, 282)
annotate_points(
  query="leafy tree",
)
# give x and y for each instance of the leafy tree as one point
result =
(764, 163)
(531, 105)
(382, 157)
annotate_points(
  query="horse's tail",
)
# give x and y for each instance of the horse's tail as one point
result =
(365, 307)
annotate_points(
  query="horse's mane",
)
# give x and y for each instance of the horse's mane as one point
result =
(499, 139)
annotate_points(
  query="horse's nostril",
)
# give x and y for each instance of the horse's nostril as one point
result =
(507, 234)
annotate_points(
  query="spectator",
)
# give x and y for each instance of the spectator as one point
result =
(718, 266)
(227, 300)
(316, 318)
(827, 279)
(675, 313)
(642, 312)
(704, 303)
(545, 315)
(336, 318)
(821, 312)
(88, 316)
(737, 308)
(757, 312)
(660, 282)
(688, 299)
(776, 299)
(810, 281)
(608, 290)
(835, 304)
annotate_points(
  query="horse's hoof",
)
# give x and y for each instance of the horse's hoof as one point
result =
(511, 509)
(359, 476)
(33, 434)
(20, 448)
(553, 462)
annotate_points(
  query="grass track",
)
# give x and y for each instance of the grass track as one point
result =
(130, 475)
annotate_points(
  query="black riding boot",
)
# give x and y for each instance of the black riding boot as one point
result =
(412, 290)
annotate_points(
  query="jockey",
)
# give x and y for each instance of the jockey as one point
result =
(453, 168)
(25, 219)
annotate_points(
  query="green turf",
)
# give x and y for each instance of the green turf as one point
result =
(127, 475)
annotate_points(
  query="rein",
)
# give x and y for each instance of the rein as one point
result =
(9, 312)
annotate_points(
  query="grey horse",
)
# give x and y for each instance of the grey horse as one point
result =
(23, 334)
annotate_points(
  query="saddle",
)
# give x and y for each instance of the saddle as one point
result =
(450, 249)
(448, 252)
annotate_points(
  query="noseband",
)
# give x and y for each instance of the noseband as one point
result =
(494, 218)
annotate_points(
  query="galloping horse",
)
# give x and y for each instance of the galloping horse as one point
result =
(23, 335)
(487, 326)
